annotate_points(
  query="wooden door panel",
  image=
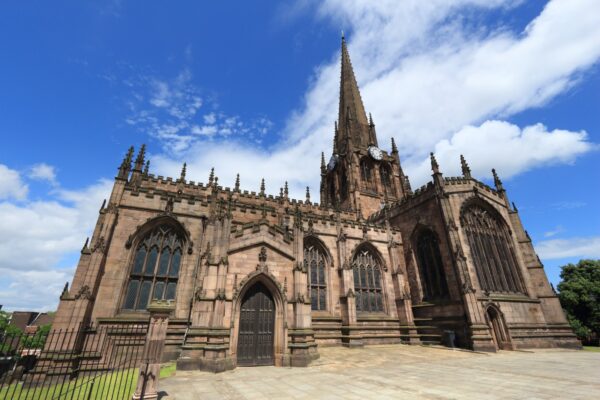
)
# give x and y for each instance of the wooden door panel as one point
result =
(257, 319)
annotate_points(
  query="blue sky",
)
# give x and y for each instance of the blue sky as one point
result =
(252, 87)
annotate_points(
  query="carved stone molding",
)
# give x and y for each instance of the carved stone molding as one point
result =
(84, 293)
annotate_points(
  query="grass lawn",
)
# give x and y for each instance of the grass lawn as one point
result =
(592, 348)
(167, 370)
(116, 385)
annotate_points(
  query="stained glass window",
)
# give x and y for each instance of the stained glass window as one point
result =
(314, 258)
(431, 269)
(367, 282)
(492, 250)
(154, 277)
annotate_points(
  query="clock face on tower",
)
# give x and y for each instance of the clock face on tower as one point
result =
(375, 152)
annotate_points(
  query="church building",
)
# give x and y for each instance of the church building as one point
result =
(263, 279)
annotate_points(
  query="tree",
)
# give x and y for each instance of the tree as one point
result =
(580, 297)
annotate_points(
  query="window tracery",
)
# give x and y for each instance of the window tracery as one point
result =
(492, 250)
(386, 179)
(315, 262)
(155, 270)
(431, 268)
(366, 174)
(367, 282)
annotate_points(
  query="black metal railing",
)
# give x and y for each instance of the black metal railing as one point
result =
(86, 363)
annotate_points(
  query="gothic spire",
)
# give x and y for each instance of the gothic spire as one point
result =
(262, 187)
(323, 167)
(497, 181)
(183, 172)
(237, 183)
(351, 108)
(285, 190)
(126, 164)
(307, 195)
(211, 176)
(394, 148)
(147, 168)
(466, 171)
(139, 161)
(435, 167)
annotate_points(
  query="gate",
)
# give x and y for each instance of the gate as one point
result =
(257, 318)
(88, 363)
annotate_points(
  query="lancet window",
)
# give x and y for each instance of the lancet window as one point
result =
(343, 184)
(155, 268)
(367, 282)
(431, 268)
(366, 174)
(492, 250)
(386, 178)
(315, 264)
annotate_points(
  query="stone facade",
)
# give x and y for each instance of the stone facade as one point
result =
(374, 262)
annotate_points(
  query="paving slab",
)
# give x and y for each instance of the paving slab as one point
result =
(404, 372)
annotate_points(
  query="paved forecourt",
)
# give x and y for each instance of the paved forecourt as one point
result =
(404, 372)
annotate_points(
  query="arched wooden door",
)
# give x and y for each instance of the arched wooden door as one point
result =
(499, 333)
(257, 319)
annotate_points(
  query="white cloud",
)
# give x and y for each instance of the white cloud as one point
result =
(43, 172)
(436, 79)
(578, 247)
(11, 185)
(554, 232)
(504, 146)
(36, 236)
(210, 118)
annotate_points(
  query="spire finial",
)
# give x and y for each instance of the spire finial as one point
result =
(323, 166)
(307, 195)
(139, 161)
(237, 183)
(211, 176)
(371, 120)
(394, 148)
(183, 172)
(285, 190)
(147, 168)
(435, 167)
(466, 171)
(497, 180)
(262, 187)
(125, 166)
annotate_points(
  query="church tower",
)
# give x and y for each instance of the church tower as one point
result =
(359, 177)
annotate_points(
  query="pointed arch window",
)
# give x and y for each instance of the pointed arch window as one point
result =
(155, 270)
(366, 174)
(492, 250)
(386, 178)
(332, 196)
(343, 184)
(315, 264)
(367, 282)
(431, 268)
